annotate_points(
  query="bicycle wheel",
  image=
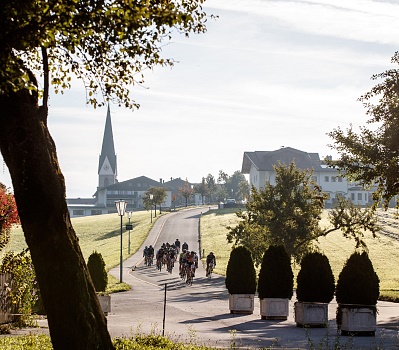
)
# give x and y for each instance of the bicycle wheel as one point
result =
(183, 274)
(190, 279)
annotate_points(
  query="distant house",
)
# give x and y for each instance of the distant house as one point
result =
(259, 166)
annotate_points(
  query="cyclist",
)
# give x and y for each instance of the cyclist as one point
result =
(191, 263)
(177, 244)
(145, 255)
(150, 254)
(182, 261)
(210, 260)
(159, 257)
(184, 246)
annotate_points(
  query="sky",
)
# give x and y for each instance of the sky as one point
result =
(266, 74)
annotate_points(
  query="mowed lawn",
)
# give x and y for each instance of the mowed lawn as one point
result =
(383, 251)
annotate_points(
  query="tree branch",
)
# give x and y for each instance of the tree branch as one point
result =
(43, 110)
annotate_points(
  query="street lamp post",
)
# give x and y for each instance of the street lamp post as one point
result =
(121, 208)
(151, 198)
(129, 215)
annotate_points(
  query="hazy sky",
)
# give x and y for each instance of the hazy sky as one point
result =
(266, 74)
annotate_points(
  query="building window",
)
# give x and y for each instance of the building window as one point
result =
(326, 178)
(339, 178)
(333, 178)
(78, 212)
(96, 212)
(352, 196)
(359, 196)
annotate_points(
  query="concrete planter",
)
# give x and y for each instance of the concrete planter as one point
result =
(311, 314)
(105, 302)
(241, 303)
(358, 320)
(274, 308)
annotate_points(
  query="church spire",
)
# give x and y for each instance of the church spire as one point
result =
(107, 171)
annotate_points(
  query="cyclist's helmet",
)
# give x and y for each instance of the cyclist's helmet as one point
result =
(211, 253)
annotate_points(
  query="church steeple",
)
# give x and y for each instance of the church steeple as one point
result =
(107, 171)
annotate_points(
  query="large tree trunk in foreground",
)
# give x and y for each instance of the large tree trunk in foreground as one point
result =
(75, 318)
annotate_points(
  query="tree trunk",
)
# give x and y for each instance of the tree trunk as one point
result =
(75, 318)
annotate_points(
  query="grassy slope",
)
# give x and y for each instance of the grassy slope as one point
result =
(101, 233)
(383, 251)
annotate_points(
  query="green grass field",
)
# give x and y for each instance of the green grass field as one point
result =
(383, 251)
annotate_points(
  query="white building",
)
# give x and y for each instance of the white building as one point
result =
(259, 166)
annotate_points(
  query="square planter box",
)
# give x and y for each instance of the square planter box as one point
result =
(274, 308)
(241, 303)
(105, 302)
(358, 321)
(311, 314)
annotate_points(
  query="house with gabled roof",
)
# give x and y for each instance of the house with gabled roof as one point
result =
(259, 165)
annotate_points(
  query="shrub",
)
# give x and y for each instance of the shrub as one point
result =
(23, 285)
(315, 280)
(358, 283)
(98, 274)
(240, 272)
(276, 279)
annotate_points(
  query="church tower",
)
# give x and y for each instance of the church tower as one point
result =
(107, 172)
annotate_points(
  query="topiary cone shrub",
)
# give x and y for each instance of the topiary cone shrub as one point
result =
(358, 284)
(276, 279)
(240, 272)
(315, 280)
(98, 274)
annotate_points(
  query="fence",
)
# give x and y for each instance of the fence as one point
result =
(6, 307)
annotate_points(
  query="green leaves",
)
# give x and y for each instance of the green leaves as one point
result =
(371, 157)
(103, 43)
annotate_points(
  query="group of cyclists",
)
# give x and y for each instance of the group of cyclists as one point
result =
(167, 255)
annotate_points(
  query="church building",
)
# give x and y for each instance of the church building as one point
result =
(109, 189)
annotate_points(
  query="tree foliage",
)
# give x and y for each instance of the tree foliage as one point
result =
(211, 186)
(8, 215)
(158, 197)
(371, 157)
(186, 191)
(289, 212)
(106, 44)
(23, 288)
(201, 189)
